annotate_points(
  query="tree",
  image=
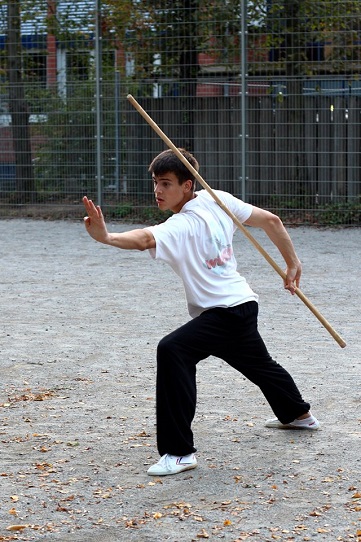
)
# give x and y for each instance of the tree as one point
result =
(165, 38)
(294, 26)
(303, 38)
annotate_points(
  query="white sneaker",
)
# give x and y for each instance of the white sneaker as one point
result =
(172, 464)
(311, 423)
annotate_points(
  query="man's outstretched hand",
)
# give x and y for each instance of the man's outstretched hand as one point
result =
(94, 221)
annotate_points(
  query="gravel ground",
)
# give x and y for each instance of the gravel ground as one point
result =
(81, 322)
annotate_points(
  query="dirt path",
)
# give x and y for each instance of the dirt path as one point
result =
(81, 322)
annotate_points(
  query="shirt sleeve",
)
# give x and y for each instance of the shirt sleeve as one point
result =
(167, 237)
(238, 207)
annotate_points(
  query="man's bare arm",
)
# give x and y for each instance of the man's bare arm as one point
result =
(138, 239)
(274, 228)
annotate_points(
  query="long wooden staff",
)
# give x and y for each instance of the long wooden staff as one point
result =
(244, 230)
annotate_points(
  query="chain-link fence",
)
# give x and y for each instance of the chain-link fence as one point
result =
(265, 93)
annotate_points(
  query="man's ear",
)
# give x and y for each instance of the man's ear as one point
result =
(187, 185)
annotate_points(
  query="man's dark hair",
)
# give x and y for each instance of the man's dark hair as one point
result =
(168, 162)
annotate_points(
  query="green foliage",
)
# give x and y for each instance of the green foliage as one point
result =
(31, 10)
(130, 211)
(153, 215)
(288, 203)
(340, 214)
(123, 210)
(178, 30)
(66, 158)
(292, 212)
(303, 210)
(294, 24)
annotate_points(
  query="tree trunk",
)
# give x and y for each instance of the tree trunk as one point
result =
(18, 109)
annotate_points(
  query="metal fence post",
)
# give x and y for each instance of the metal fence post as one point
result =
(117, 131)
(244, 75)
(98, 100)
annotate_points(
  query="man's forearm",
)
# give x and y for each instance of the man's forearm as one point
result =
(272, 225)
(281, 239)
(140, 239)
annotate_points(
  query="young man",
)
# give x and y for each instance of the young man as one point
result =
(196, 241)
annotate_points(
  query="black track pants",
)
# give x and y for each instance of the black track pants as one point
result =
(232, 335)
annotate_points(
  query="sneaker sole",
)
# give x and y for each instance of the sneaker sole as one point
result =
(291, 427)
(162, 473)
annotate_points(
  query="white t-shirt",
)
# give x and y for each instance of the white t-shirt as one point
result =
(197, 244)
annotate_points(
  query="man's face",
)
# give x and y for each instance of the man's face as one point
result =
(169, 194)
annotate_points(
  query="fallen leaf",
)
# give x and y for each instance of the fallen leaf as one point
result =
(60, 508)
(143, 434)
(16, 527)
(300, 528)
(106, 496)
(203, 534)
(131, 523)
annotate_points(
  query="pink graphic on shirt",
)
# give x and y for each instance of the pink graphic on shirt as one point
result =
(224, 256)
